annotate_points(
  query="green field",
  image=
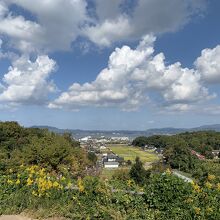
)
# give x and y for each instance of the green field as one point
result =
(130, 153)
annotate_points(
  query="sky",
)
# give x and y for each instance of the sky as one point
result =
(110, 65)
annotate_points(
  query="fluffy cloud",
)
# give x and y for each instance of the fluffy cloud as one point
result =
(54, 29)
(131, 76)
(143, 17)
(27, 82)
(21, 32)
(208, 65)
(107, 32)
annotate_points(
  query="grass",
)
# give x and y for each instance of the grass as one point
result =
(130, 153)
(107, 173)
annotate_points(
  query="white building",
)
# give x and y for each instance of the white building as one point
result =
(86, 138)
(102, 147)
(111, 164)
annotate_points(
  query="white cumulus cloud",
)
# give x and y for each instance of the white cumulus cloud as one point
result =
(27, 82)
(130, 78)
(208, 65)
(56, 26)
(143, 17)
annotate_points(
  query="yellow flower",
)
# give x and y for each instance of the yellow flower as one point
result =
(56, 184)
(196, 187)
(9, 181)
(208, 185)
(42, 172)
(189, 200)
(211, 177)
(197, 210)
(32, 171)
(80, 185)
(69, 184)
(60, 187)
(74, 198)
(218, 186)
(209, 210)
(129, 183)
(17, 182)
(63, 178)
(29, 181)
(34, 193)
(168, 171)
(49, 184)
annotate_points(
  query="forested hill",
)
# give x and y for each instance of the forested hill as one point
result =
(34, 146)
(201, 141)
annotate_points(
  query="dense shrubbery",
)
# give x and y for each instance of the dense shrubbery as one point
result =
(205, 168)
(39, 147)
(42, 174)
(164, 196)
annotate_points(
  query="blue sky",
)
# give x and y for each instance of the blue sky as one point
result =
(100, 64)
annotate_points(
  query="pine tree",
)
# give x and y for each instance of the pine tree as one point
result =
(137, 172)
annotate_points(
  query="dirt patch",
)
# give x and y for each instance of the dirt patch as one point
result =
(20, 217)
(14, 217)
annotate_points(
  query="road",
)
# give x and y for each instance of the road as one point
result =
(186, 179)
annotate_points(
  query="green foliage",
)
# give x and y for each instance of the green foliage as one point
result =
(159, 141)
(178, 156)
(167, 193)
(202, 141)
(138, 173)
(164, 197)
(20, 145)
(140, 141)
(92, 157)
(121, 175)
(176, 199)
(204, 168)
(50, 180)
(50, 151)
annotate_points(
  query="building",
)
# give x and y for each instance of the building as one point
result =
(102, 147)
(111, 164)
(159, 150)
(112, 161)
(199, 156)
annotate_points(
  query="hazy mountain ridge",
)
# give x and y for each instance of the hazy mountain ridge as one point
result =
(78, 133)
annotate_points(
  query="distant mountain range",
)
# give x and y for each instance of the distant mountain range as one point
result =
(77, 133)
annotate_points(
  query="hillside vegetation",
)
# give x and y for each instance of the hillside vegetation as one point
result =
(201, 141)
(33, 146)
(43, 174)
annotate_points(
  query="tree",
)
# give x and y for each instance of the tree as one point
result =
(138, 173)
(92, 157)
(129, 163)
(140, 141)
(178, 155)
